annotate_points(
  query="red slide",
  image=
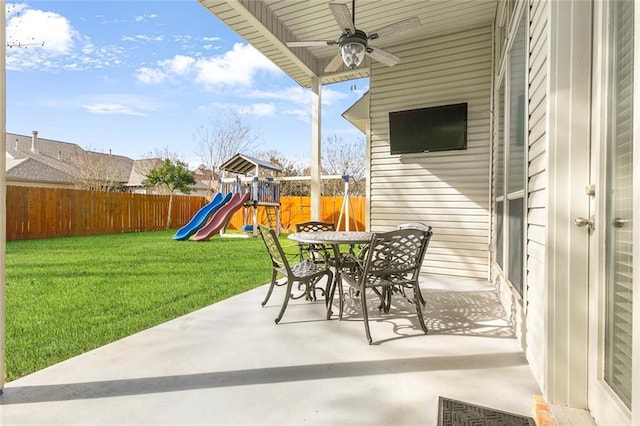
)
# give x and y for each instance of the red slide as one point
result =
(220, 218)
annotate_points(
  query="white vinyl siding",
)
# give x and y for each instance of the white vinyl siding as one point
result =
(537, 190)
(447, 190)
(529, 317)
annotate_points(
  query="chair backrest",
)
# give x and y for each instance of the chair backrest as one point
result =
(398, 252)
(414, 225)
(314, 252)
(314, 226)
(270, 239)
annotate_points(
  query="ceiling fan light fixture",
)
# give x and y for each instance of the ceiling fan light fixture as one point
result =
(353, 48)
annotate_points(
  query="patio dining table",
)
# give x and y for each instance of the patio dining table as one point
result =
(334, 239)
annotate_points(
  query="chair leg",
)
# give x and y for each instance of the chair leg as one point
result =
(273, 284)
(328, 294)
(340, 295)
(287, 295)
(365, 315)
(331, 291)
(380, 294)
(387, 299)
(421, 296)
(418, 300)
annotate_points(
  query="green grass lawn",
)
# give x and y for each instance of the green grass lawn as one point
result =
(66, 296)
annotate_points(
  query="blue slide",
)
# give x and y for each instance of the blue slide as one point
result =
(201, 217)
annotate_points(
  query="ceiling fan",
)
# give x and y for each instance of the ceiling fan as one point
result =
(354, 43)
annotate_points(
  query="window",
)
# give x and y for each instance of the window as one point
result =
(619, 236)
(510, 163)
(499, 181)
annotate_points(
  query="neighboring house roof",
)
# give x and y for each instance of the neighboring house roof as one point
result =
(244, 165)
(204, 175)
(31, 169)
(139, 170)
(200, 187)
(65, 157)
(32, 158)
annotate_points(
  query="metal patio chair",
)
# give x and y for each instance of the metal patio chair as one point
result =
(392, 265)
(423, 227)
(317, 253)
(414, 225)
(305, 273)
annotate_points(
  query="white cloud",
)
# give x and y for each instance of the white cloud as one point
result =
(112, 109)
(49, 41)
(150, 76)
(179, 64)
(330, 96)
(261, 110)
(298, 95)
(255, 110)
(13, 9)
(144, 37)
(120, 104)
(142, 18)
(303, 115)
(236, 67)
(176, 66)
(49, 31)
(295, 94)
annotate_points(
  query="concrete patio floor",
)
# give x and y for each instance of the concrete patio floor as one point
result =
(230, 364)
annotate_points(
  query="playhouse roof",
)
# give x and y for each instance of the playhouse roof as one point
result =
(243, 165)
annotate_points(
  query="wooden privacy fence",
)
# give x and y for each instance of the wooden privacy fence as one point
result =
(59, 212)
(298, 209)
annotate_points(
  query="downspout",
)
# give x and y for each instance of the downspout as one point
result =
(3, 192)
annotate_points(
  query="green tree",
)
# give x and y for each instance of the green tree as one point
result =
(171, 176)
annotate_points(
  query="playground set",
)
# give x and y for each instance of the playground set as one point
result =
(243, 191)
(262, 189)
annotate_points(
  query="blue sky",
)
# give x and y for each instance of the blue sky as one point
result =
(139, 76)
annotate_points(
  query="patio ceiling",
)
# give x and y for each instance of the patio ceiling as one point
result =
(269, 24)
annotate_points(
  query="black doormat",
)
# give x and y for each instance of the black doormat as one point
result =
(458, 413)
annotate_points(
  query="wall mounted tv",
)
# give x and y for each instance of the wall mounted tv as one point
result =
(439, 128)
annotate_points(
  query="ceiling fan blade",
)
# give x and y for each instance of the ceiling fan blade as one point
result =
(335, 64)
(382, 56)
(311, 43)
(397, 29)
(343, 17)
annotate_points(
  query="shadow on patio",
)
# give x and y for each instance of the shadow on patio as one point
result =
(230, 364)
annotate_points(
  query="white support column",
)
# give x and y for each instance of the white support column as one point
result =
(3, 191)
(567, 246)
(316, 169)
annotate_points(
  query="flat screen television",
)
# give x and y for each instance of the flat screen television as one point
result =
(439, 128)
